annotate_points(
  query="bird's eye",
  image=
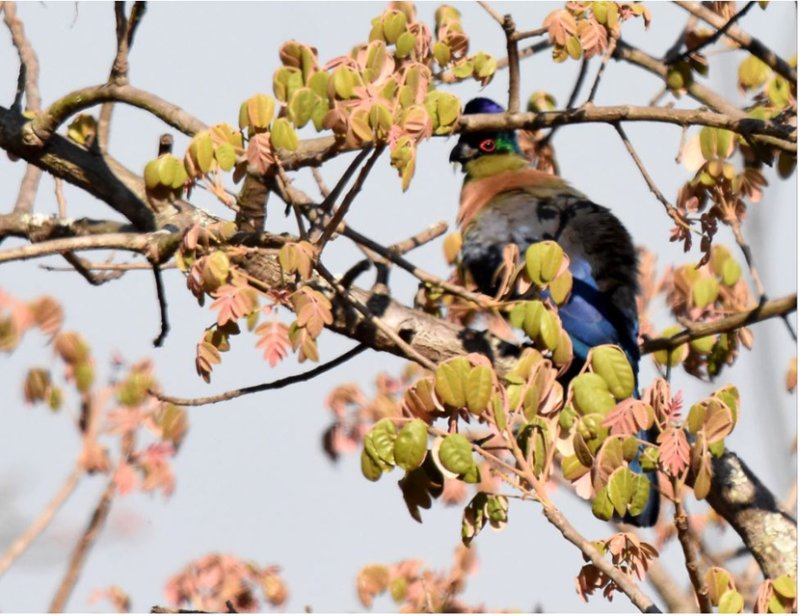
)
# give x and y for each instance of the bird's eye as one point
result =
(487, 145)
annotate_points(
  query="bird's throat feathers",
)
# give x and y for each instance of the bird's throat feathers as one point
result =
(477, 192)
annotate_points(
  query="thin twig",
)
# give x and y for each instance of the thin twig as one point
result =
(41, 522)
(612, 45)
(509, 28)
(109, 267)
(87, 539)
(125, 31)
(80, 266)
(526, 53)
(714, 37)
(60, 200)
(623, 581)
(523, 34)
(323, 187)
(27, 57)
(753, 45)
(672, 211)
(573, 96)
(277, 384)
(162, 306)
(748, 257)
(454, 289)
(689, 554)
(487, 6)
(341, 211)
(762, 312)
(301, 227)
(28, 188)
(401, 344)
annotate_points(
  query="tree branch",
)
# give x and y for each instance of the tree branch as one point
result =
(277, 384)
(767, 310)
(753, 45)
(714, 37)
(41, 522)
(769, 533)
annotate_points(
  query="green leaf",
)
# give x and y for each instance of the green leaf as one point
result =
(411, 445)
(283, 135)
(532, 320)
(404, 45)
(450, 381)
(285, 81)
(602, 507)
(561, 287)
(549, 329)
(301, 106)
(591, 394)
(441, 53)
(369, 467)
(455, 454)
(703, 345)
(542, 261)
(731, 272)
(202, 151)
(641, 494)
(675, 356)
(610, 363)
(753, 73)
(731, 602)
(572, 469)
(621, 487)
(705, 291)
(394, 24)
(478, 389)
(499, 411)
(785, 586)
(344, 82)
(225, 155)
(379, 441)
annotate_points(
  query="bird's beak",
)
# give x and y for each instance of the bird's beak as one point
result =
(462, 153)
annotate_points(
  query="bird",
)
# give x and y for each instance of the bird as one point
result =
(504, 200)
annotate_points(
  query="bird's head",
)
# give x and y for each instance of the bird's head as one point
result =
(487, 153)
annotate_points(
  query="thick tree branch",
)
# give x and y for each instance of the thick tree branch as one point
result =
(769, 533)
(42, 127)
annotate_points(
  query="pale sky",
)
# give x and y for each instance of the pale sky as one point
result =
(251, 476)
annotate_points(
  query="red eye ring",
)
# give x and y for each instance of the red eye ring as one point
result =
(487, 145)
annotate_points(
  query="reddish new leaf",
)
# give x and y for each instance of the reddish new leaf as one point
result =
(674, 450)
(260, 154)
(233, 302)
(274, 339)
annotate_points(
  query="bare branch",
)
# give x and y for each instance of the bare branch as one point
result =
(672, 211)
(28, 188)
(753, 45)
(162, 305)
(487, 6)
(612, 45)
(41, 522)
(513, 63)
(160, 245)
(277, 384)
(85, 543)
(768, 532)
(767, 310)
(408, 350)
(42, 127)
(339, 215)
(689, 554)
(714, 37)
(624, 582)
(29, 63)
